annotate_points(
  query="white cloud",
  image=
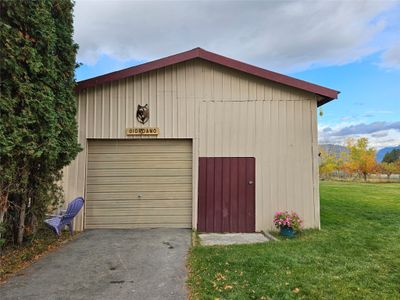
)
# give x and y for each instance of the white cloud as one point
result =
(363, 128)
(280, 35)
(379, 134)
(391, 57)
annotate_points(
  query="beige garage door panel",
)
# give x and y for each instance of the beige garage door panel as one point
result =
(149, 179)
(140, 172)
(139, 183)
(149, 195)
(122, 204)
(178, 164)
(118, 157)
(131, 188)
(125, 147)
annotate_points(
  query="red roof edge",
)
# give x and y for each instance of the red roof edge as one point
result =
(326, 93)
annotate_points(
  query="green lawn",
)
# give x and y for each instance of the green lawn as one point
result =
(356, 255)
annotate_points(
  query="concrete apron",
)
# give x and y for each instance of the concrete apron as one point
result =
(213, 239)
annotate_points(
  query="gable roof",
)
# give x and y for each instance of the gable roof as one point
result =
(326, 93)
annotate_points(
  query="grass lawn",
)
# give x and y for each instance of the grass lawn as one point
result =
(356, 255)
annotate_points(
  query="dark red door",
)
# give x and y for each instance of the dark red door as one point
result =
(226, 194)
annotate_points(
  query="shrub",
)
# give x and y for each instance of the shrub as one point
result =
(283, 219)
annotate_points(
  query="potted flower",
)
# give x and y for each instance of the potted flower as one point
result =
(288, 223)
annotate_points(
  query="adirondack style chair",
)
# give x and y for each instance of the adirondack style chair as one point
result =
(58, 222)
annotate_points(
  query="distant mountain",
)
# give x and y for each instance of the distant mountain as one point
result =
(381, 153)
(334, 149)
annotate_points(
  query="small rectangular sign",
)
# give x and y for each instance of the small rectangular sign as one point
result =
(143, 131)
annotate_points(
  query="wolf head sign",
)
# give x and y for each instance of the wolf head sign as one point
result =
(142, 113)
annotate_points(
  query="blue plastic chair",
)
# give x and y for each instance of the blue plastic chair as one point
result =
(57, 223)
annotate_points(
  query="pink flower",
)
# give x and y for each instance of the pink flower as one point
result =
(284, 218)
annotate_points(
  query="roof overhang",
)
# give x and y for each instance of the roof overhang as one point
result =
(327, 94)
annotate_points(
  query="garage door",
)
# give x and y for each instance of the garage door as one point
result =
(139, 184)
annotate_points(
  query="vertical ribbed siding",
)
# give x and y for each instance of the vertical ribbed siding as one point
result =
(173, 94)
(226, 194)
(281, 143)
(225, 113)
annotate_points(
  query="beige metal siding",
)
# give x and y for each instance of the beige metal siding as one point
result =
(278, 134)
(141, 183)
(226, 113)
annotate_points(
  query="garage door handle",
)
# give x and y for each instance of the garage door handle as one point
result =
(251, 182)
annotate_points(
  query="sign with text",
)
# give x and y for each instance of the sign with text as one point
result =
(143, 131)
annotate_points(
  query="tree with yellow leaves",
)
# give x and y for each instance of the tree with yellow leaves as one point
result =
(328, 163)
(360, 158)
(389, 168)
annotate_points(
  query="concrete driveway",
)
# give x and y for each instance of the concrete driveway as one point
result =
(109, 264)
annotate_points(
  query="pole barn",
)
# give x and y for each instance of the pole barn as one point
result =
(196, 140)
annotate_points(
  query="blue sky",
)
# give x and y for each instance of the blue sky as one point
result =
(350, 46)
(369, 95)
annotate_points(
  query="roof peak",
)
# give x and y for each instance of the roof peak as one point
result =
(198, 52)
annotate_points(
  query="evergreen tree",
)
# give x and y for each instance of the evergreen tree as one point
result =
(38, 130)
(392, 156)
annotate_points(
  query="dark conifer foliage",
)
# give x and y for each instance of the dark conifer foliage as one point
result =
(392, 156)
(38, 129)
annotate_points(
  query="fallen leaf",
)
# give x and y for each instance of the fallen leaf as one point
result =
(220, 277)
(228, 287)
